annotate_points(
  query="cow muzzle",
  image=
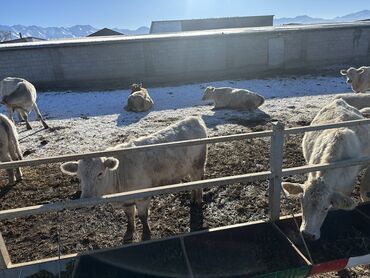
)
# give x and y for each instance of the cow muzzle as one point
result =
(310, 236)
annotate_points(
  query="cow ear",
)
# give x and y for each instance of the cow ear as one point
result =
(343, 72)
(69, 168)
(111, 163)
(340, 201)
(293, 188)
(360, 71)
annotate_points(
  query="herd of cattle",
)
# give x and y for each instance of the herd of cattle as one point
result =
(131, 171)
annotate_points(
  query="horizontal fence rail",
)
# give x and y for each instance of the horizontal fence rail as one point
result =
(193, 142)
(295, 130)
(131, 195)
(174, 188)
(185, 143)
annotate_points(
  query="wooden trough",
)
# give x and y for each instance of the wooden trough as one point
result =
(257, 249)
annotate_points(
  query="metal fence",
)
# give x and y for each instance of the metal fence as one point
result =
(274, 175)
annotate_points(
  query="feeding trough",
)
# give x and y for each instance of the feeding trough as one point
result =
(246, 250)
(344, 241)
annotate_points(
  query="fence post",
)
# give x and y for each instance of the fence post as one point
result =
(4, 255)
(276, 165)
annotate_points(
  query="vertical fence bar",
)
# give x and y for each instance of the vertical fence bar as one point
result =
(276, 166)
(4, 255)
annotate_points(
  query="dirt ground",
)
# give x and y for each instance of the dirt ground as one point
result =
(35, 237)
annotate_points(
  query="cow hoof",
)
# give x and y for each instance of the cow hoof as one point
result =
(11, 183)
(46, 126)
(28, 127)
(128, 238)
(145, 237)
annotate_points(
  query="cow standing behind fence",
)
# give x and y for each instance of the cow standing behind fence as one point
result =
(144, 169)
(9, 147)
(330, 188)
(19, 95)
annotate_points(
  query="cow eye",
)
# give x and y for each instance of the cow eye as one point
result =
(100, 175)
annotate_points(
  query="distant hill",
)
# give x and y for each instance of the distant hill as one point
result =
(304, 19)
(84, 30)
(62, 32)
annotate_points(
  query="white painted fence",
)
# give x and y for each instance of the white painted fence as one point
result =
(274, 175)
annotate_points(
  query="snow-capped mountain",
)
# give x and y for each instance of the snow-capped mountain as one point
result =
(61, 32)
(84, 30)
(304, 19)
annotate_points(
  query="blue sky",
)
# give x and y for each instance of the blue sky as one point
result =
(136, 13)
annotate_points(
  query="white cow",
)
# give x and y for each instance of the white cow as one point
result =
(144, 169)
(240, 99)
(9, 147)
(358, 101)
(358, 78)
(139, 100)
(330, 188)
(19, 95)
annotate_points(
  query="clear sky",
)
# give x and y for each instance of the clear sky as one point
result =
(136, 13)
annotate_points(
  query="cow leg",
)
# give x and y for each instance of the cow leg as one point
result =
(20, 117)
(196, 210)
(143, 213)
(197, 194)
(365, 185)
(39, 116)
(130, 214)
(10, 113)
(25, 116)
(16, 154)
(10, 172)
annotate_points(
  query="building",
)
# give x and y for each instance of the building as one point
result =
(210, 24)
(105, 32)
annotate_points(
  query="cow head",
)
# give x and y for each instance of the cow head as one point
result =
(316, 199)
(91, 172)
(352, 74)
(208, 93)
(136, 87)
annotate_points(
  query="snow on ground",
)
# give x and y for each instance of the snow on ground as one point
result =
(88, 121)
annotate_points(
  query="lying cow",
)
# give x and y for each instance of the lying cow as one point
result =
(358, 78)
(358, 101)
(9, 147)
(240, 99)
(331, 187)
(139, 100)
(144, 169)
(19, 95)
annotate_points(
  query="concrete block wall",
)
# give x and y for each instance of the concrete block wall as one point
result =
(115, 62)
